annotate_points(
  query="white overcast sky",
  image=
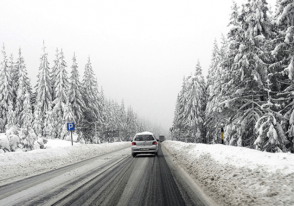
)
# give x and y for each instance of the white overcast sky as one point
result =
(140, 49)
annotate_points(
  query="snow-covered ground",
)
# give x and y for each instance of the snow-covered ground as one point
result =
(17, 165)
(230, 175)
(237, 175)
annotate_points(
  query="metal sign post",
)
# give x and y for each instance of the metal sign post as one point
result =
(71, 127)
(222, 135)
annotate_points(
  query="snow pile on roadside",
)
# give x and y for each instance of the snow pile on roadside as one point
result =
(57, 143)
(237, 175)
(14, 165)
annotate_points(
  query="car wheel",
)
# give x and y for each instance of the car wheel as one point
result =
(155, 154)
(133, 154)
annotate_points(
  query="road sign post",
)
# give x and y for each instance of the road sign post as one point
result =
(222, 135)
(71, 127)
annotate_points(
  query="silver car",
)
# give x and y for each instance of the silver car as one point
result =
(144, 142)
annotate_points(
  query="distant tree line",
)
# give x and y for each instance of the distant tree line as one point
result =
(249, 89)
(59, 97)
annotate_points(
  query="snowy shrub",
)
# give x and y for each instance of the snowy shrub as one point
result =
(4, 143)
(82, 141)
(271, 136)
(14, 140)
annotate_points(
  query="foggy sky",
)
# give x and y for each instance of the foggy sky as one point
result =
(140, 50)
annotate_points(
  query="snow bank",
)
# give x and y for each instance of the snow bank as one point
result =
(57, 143)
(17, 165)
(237, 175)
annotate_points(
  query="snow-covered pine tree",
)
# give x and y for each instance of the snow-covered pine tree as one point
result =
(38, 119)
(194, 111)
(49, 127)
(216, 76)
(92, 112)
(58, 123)
(281, 73)
(181, 126)
(117, 120)
(11, 118)
(131, 122)
(75, 92)
(67, 117)
(13, 70)
(111, 115)
(175, 128)
(6, 93)
(61, 85)
(107, 118)
(123, 121)
(102, 127)
(234, 15)
(245, 87)
(136, 125)
(26, 115)
(24, 86)
(213, 92)
(53, 73)
(43, 86)
(91, 95)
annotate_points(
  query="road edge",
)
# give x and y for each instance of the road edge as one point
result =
(179, 171)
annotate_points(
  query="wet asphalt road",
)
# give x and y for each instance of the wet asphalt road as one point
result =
(122, 180)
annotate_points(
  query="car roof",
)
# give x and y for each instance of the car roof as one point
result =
(142, 133)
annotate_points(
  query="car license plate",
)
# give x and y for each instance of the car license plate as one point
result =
(144, 149)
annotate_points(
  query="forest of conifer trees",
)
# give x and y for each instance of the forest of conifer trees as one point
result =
(249, 89)
(60, 97)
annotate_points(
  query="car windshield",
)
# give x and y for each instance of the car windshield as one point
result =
(146, 137)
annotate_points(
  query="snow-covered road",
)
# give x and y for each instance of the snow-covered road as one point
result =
(115, 178)
(229, 175)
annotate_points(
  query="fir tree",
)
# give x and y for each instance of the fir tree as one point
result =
(92, 111)
(6, 92)
(67, 117)
(175, 127)
(182, 101)
(11, 118)
(123, 120)
(53, 74)
(24, 86)
(38, 120)
(91, 95)
(43, 87)
(195, 106)
(14, 73)
(26, 115)
(131, 122)
(245, 69)
(75, 92)
(49, 129)
(61, 85)
(234, 15)
(215, 79)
